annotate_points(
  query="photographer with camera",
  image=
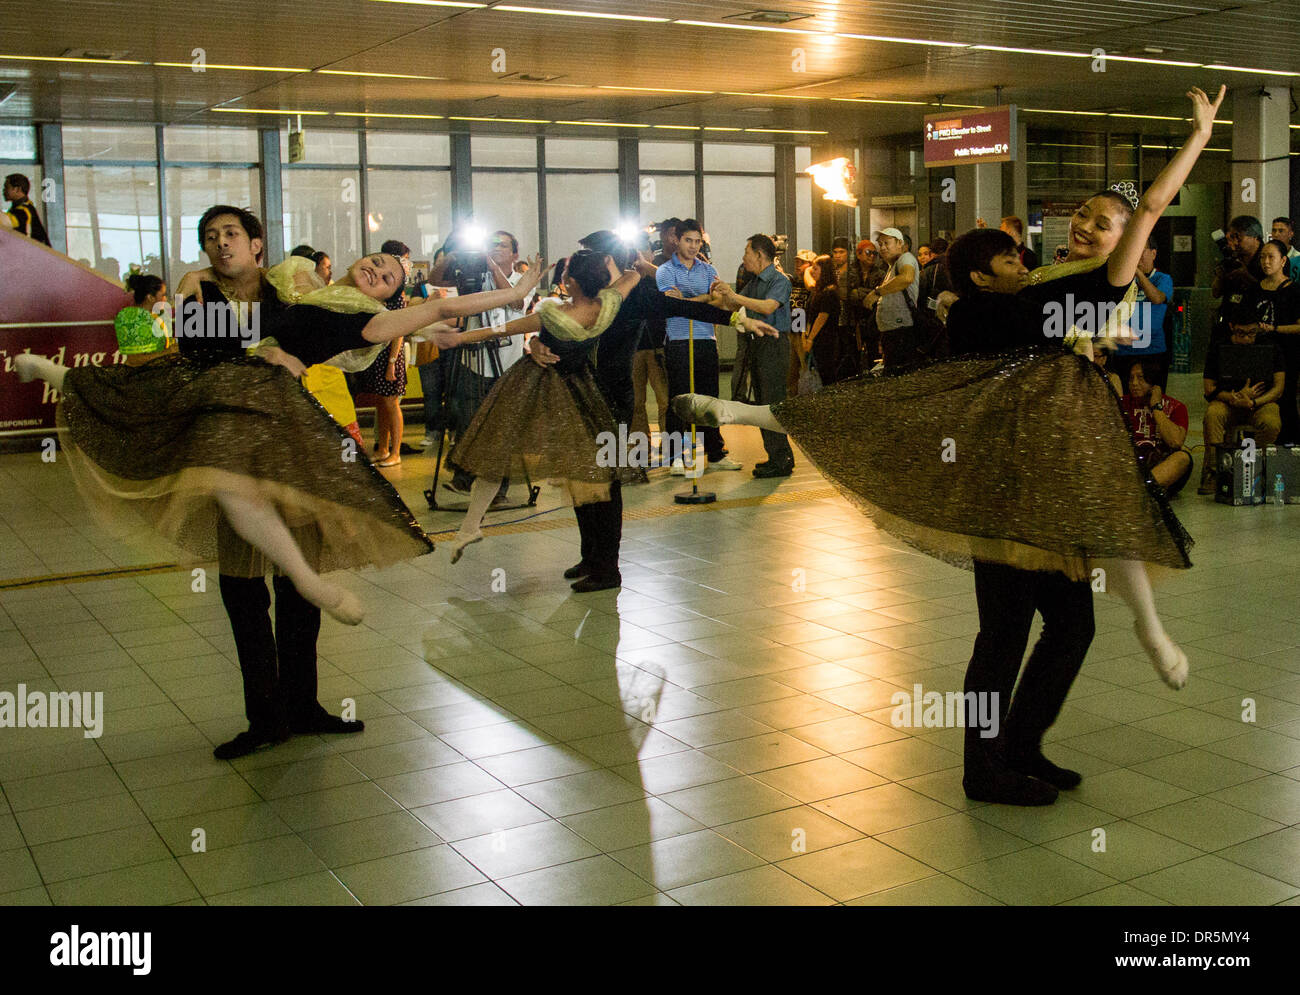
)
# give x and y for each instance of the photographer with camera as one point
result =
(472, 270)
(1238, 272)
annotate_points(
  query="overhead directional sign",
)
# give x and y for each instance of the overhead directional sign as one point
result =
(959, 138)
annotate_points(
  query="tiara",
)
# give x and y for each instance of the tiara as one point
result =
(1128, 191)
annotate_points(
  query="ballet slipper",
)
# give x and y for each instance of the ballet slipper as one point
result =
(346, 609)
(1170, 661)
(458, 547)
(387, 461)
(699, 409)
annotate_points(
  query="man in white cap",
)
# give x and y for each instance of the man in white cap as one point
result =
(895, 300)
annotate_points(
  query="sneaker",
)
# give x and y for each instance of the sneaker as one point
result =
(772, 470)
(428, 442)
(679, 468)
(726, 463)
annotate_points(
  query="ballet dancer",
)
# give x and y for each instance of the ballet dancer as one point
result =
(1043, 501)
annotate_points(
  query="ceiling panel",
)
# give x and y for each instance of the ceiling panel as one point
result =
(585, 68)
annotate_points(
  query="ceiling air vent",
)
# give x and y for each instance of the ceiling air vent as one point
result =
(530, 78)
(94, 53)
(767, 17)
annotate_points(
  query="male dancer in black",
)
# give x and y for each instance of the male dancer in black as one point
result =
(278, 664)
(600, 525)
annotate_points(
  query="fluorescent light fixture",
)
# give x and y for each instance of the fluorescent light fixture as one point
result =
(247, 69)
(504, 120)
(1247, 69)
(904, 41)
(66, 58)
(604, 124)
(869, 100)
(1151, 62)
(353, 72)
(1149, 117)
(435, 3)
(715, 128)
(751, 27)
(776, 96)
(581, 13)
(416, 117)
(786, 131)
(648, 89)
(1034, 51)
(264, 110)
(676, 127)
(1048, 110)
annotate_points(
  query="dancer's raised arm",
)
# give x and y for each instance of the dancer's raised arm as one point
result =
(1123, 262)
(409, 320)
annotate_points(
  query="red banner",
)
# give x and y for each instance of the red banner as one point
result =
(53, 307)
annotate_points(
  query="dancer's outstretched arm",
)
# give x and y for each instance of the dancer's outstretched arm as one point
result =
(409, 320)
(1123, 262)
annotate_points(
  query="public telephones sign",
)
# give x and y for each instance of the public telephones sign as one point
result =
(960, 138)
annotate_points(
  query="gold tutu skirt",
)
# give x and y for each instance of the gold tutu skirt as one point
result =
(546, 425)
(1024, 459)
(149, 446)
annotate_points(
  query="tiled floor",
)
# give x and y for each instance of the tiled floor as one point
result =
(717, 732)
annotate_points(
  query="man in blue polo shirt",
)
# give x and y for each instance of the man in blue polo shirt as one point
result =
(768, 294)
(689, 277)
(1155, 291)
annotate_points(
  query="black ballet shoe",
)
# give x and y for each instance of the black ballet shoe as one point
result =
(590, 583)
(321, 721)
(1037, 765)
(249, 741)
(1008, 787)
(576, 571)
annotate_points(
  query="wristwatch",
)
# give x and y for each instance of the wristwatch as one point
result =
(1159, 405)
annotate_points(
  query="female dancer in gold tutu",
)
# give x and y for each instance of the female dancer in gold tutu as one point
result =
(1039, 482)
(214, 438)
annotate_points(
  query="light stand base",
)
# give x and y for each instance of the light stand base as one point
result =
(695, 497)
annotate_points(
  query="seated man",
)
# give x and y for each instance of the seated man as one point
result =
(1159, 426)
(1235, 393)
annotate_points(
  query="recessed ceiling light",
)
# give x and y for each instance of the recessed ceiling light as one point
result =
(604, 124)
(419, 117)
(581, 13)
(357, 72)
(267, 110)
(250, 69)
(436, 3)
(67, 58)
(503, 120)
(650, 89)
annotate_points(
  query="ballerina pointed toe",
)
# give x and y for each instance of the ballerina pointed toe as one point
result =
(25, 366)
(458, 547)
(347, 608)
(1168, 659)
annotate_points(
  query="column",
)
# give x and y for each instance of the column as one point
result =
(272, 189)
(54, 213)
(979, 195)
(1261, 142)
